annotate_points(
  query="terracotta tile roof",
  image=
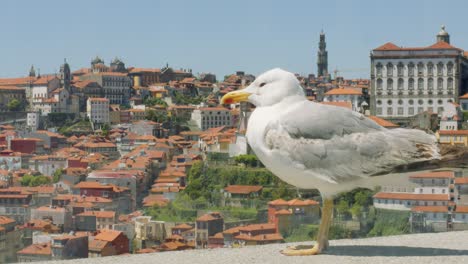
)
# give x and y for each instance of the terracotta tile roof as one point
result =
(17, 81)
(465, 96)
(278, 202)
(155, 199)
(438, 45)
(6, 220)
(434, 174)
(462, 180)
(383, 122)
(37, 249)
(232, 231)
(145, 70)
(209, 217)
(108, 235)
(388, 46)
(343, 91)
(454, 132)
(12, 88)
(242, 189)
(99, 214)
(97, 245)
(297, 202)
(347, 105)
(283, 212)
(461, 209)
(257, 227)
(432, 209)
(412, 196)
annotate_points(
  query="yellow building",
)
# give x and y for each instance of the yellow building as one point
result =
(453, 137)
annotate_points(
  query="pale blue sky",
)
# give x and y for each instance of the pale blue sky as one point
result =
(217, 36)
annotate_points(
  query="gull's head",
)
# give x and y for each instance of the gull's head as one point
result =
(268, 89)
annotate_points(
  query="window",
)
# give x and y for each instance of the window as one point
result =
(389, 84)
(420, 102)
(449, 83)
(449, 68)
(430, 84)
(400, 84)
(389, 69)
(420, 110)
(430, 101)
(400, 69)
(400, 110)
(389, 111)
(410, 69)
(420, 68)
(430, 68)
(420, 84)
(389, 102)
(411, 111)
(400, 102)
(379, 84)
(379, 69)
(440, 83)
(379, 110)
(411, 101)
(440, 110)
(440, 68)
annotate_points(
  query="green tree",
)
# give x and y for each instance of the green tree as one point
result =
(57, 175)
(342, 208)
(105, 130)
(152, 101)
(14, 105)
(33, 181)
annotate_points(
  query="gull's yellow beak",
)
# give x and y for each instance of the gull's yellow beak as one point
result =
(235, 96)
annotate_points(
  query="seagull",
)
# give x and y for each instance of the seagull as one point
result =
(330, 148)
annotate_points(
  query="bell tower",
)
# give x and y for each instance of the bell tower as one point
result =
(322, 57)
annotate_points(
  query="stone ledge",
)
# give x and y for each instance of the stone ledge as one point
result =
(450, 247)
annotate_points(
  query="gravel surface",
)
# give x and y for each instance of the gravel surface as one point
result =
(450, 247)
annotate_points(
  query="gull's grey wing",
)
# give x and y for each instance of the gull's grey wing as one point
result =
(318, 121)
(341, 146)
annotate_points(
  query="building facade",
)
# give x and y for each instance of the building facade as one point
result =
(406, 81)
(98, 110)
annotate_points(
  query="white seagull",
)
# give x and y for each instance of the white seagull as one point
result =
(332, 149)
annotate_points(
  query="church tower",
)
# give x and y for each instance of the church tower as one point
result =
(322, 57)
(65, 75)
(32, 72)
(443, 35)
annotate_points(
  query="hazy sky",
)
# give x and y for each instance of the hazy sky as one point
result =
(217, 36)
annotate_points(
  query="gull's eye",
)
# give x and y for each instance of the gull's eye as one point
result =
(262, 84)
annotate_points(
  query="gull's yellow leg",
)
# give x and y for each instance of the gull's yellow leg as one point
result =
(322, 238)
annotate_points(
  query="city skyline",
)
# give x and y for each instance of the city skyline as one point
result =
(216, 37)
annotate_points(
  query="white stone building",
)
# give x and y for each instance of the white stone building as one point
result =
(210, 117)
(406, 81)
(97, 110)
(32, 120)
(352, 95)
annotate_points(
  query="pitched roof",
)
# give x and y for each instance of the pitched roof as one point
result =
(454, 132)
(432, 209)
(243, 189)
(6, 220)
(278, 202)
(435, 46)
(461, 209)
(209, 217)
(183, 226)
(412, 196)
(99, 214)
(383, 122)
(465, 96)
(97, 245)
(434, 174)
(388, 46)
(298, 202)
(343, 91)
(37, 249)
(108, 235)
(462, 180)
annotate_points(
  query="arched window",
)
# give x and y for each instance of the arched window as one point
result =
(400, 69)
(420, 68)
(449, 83)
(440, 83)
(440, 69)
(420, 84)
(430, 68)
(379, 69)
(450, 68)
(389, 69)
(410, 84)
(389, 84)
(379, 84)
(430, 84)
(400, 84)
(410, 69)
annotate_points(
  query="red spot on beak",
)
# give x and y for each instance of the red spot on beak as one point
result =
(228, 101)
